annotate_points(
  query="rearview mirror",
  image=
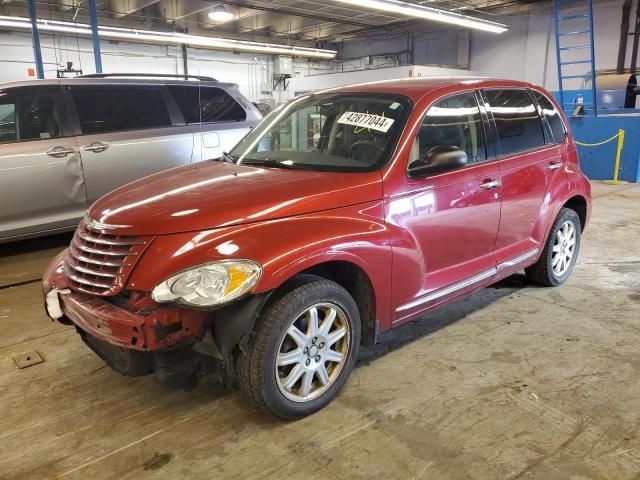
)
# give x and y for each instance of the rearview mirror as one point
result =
(439, 159)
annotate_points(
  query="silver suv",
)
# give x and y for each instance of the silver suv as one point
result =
(64, 143)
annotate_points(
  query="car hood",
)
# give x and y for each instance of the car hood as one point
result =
(214, 194)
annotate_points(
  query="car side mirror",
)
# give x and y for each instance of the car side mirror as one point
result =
(439, 159)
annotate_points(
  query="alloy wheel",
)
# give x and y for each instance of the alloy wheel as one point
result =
(563, 248)
(312, 352)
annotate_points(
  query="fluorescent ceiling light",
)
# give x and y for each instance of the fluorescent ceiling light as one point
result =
(166, 38)
(428, 13)
(220, 14)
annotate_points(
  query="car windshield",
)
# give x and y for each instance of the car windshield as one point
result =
(345, 132)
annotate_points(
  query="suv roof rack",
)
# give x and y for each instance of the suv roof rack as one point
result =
(148, 75)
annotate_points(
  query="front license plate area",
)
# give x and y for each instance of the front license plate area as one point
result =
(53, 304)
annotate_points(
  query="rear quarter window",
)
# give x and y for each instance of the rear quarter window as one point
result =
(517, 121)
(206, 104)
(550, 113)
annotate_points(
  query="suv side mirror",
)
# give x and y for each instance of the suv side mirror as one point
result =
(439, 159)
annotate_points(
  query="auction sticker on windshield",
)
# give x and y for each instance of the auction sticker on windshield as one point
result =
(366, 120)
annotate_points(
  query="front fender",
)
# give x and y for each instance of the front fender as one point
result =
(284, 247)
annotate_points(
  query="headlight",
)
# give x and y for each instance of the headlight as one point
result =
(209, 284)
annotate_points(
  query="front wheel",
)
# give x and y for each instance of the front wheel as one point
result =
(303, 349)
(560, 252)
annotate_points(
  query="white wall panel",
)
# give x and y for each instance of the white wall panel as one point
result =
(16, 56)
(317, 82)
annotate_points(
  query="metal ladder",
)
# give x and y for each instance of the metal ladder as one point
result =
(576, 21)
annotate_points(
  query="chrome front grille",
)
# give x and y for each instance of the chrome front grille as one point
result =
(100, 263)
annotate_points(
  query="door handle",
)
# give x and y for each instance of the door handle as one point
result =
(96, 147)
(554, 165)
(60, 152)
(489, 184)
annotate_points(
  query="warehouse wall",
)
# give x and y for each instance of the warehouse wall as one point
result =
(316, 82)
(251, 72)
(442, 46)
(527, 51)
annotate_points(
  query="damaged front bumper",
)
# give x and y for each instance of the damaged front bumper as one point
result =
(145, 326)
(136, 336)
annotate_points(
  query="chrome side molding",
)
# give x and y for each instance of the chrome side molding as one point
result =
(449, 289)
(519, 259)
(467, 282)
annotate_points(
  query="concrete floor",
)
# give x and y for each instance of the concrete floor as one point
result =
(513, 382)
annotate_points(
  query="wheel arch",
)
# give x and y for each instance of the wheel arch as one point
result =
(578, 204)
(350, 272)
(356, 281)
(576, 201)
(234, 322)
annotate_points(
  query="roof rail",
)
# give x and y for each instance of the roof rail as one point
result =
(148, 75)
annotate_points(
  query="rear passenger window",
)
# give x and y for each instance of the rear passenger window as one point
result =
(519, 126)
(206, 104)
(116, 108)
(550, 113)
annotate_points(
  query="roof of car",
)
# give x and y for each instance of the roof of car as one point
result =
(416, 87)
(115, 80)
(413, 87)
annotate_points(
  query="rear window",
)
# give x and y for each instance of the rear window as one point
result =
(116, 108)
(550, 113)
(517, 121)
(206, 104)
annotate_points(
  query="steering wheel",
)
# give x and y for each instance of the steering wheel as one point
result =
(364, 150)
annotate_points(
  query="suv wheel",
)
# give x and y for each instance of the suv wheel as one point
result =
(560, 252)
(303, 349)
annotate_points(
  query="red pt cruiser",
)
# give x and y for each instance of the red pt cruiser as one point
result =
(343, 214)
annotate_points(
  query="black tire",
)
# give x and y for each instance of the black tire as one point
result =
(256, 365)
(542, 271)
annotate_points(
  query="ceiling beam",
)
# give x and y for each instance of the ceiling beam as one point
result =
(271, 22)
(122, 8)
(66, 5)
(291, 11)
(182, 9)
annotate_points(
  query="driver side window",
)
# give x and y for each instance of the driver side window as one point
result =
(451, 136)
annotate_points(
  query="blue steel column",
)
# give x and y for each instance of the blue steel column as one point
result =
(94, 34)
(556, 14)
(35, 36)
(593, 61)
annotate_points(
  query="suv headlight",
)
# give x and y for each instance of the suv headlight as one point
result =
(209, 284)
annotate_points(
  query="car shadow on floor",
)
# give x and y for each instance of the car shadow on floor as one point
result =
(441, 318)
(31, 245)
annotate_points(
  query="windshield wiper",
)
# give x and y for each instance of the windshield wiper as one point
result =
(270, 162)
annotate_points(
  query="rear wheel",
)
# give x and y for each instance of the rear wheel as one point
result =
(303, 350)
(560, 252)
